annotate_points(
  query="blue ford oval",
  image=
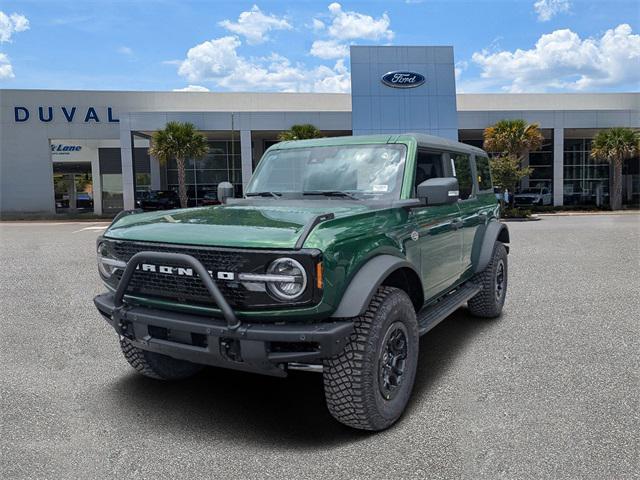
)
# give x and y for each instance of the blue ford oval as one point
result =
(399, 79)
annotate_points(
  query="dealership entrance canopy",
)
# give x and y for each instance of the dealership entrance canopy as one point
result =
(69, 151)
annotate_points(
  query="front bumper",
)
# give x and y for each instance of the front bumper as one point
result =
(259, 348)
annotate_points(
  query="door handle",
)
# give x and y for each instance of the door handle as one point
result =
(456, 224)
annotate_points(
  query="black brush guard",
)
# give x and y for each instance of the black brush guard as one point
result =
(262, 348)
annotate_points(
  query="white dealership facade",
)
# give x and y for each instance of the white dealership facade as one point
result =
(87, 150)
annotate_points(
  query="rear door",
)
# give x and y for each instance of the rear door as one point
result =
(469, 206)
(435, 230)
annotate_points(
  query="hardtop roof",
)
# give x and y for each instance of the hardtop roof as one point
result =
(422, 139)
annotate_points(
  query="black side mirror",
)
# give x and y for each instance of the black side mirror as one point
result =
(439, 191)
(225, 191)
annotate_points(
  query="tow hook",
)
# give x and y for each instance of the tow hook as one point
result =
(230, 349)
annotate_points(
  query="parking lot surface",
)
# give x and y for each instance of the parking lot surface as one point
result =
(549, 390)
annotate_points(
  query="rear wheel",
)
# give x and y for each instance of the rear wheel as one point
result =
(156, 365)
(368, 384)
(493, 279)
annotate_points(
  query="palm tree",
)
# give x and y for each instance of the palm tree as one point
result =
(615, 146)
(511, 141)
(180, 141)
(300, 132)
(515, 138)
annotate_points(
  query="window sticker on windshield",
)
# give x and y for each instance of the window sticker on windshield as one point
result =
(381, 188)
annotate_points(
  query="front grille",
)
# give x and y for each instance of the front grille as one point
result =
(185, 289)
(190, 290)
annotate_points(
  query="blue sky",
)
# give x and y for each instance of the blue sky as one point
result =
(500, 46)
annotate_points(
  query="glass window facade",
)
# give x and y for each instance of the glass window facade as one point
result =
(586, 181)
(541, 161)
(221, 164)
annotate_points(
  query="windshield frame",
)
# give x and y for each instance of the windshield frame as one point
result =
(396, 194)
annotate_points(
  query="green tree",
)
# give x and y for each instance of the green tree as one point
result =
(515, 138)
(180, 141)
(507, 172)
(615, 146)
(300, 132)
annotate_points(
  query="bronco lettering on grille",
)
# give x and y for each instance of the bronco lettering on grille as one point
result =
(181, 271)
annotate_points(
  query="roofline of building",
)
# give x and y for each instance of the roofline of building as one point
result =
(306, 101)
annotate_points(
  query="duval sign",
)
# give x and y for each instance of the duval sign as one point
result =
(401, 79)
(69, 114)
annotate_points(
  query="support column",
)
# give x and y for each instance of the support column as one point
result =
(246, 157)
(126, 156)
(96, 181)
(558, 167)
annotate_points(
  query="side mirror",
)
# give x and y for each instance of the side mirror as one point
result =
(225, 191)
(439, 191)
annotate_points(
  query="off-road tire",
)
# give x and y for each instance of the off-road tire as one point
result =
(487, 304)
(156, 365)
(352, 378)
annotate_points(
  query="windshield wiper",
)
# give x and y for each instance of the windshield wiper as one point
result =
(263, 194)
(331, 193)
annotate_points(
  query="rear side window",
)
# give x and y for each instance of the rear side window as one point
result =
(462, 169)
(484, 173)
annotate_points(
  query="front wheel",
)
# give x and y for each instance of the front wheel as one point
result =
(493, 280)
(368, 384)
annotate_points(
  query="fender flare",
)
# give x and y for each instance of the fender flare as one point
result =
(366, 281)
(494, 232)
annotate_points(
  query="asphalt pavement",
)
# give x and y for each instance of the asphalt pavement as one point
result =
(549, 390)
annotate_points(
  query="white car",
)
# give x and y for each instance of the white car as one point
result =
(533, 196)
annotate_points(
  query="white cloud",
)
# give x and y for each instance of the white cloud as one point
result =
(317, 25)
(125, 51)
(6, 70)
(547, 9)
(346, 25)
(562, 60)
(329, 49)
(254, 25)
(10, 24)
(460, 67)
(218, 61)
(192, 88)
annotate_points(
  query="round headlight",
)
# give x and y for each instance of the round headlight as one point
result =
(293, 286)
(107, 263)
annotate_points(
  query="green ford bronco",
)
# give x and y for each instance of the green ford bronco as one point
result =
(342, 253)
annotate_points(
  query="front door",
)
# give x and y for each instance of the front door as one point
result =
(436, 232)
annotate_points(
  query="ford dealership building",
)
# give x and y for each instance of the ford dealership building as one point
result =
(69, 151)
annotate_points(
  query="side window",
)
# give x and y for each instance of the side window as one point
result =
(484, 173)
(463, 174)
(429, 165)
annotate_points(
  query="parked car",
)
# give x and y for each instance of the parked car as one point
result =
(313, 270)
(160, 200)
(140, 196)
(533, 196)
(210, 197)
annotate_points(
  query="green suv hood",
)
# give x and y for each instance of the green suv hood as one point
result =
(250, 226)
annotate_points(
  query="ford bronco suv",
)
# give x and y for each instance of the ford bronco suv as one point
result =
(342, 253)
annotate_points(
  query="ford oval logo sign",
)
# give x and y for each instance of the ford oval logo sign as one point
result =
(403, 79)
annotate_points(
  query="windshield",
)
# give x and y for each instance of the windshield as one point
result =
(530, 190)
(350, 170)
